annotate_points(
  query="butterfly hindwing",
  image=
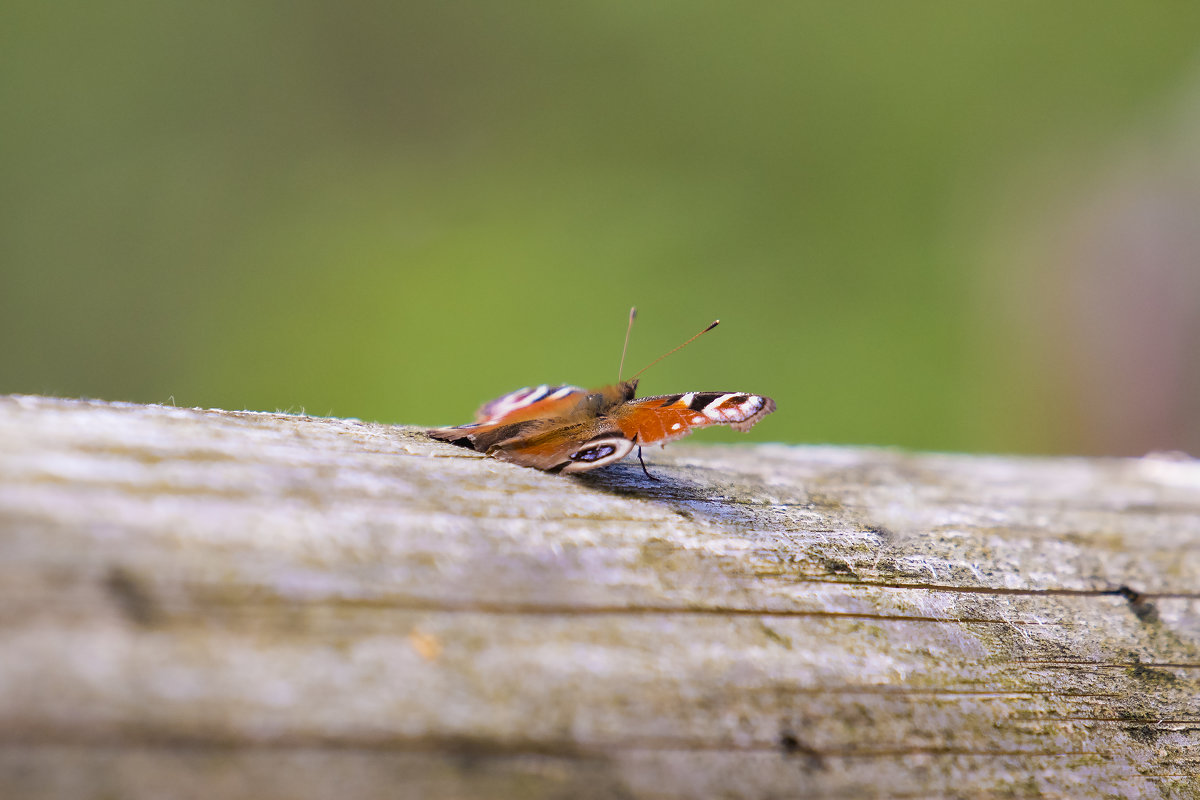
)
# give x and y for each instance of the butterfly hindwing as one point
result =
(574, 448)
(554, 445)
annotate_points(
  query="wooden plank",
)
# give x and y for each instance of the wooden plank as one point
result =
(212, 603)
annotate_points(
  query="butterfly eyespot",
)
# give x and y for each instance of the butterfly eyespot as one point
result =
(598, 452)
(594, 453)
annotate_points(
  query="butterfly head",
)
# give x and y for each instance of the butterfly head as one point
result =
(606, 398)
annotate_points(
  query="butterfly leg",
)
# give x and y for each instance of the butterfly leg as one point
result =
(648, 475)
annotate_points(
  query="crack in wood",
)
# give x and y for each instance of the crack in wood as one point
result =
(545, 610)
(1122, 591)
(164, 740)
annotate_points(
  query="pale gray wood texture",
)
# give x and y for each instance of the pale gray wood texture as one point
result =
(227, 604)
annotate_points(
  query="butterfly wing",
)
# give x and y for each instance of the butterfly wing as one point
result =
(566, 448)
(531, 403)
(661, 419)
(552, 428)
(514, 416)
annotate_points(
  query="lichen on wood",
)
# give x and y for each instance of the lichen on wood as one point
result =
(269, 605)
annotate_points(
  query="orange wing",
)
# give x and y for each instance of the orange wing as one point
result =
(524, 410)
(531, 403)
(668, 417)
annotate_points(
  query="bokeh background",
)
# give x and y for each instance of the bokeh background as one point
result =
(937, 225)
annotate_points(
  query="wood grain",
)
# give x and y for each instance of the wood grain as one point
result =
(230, 604)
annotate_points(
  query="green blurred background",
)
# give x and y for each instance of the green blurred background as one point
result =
(939, 225)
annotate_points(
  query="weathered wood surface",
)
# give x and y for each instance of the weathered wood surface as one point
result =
(220, 604)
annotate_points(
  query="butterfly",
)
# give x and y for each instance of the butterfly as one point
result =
(570, 429)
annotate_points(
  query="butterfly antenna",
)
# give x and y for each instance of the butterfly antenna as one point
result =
(714, 324)
(632, 317)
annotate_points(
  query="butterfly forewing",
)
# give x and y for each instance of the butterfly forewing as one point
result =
(668, 417)
(536, 426)
(531, 403)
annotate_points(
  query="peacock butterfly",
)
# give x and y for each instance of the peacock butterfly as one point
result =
(569, 429)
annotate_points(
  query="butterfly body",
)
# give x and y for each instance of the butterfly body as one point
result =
(569, 429)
